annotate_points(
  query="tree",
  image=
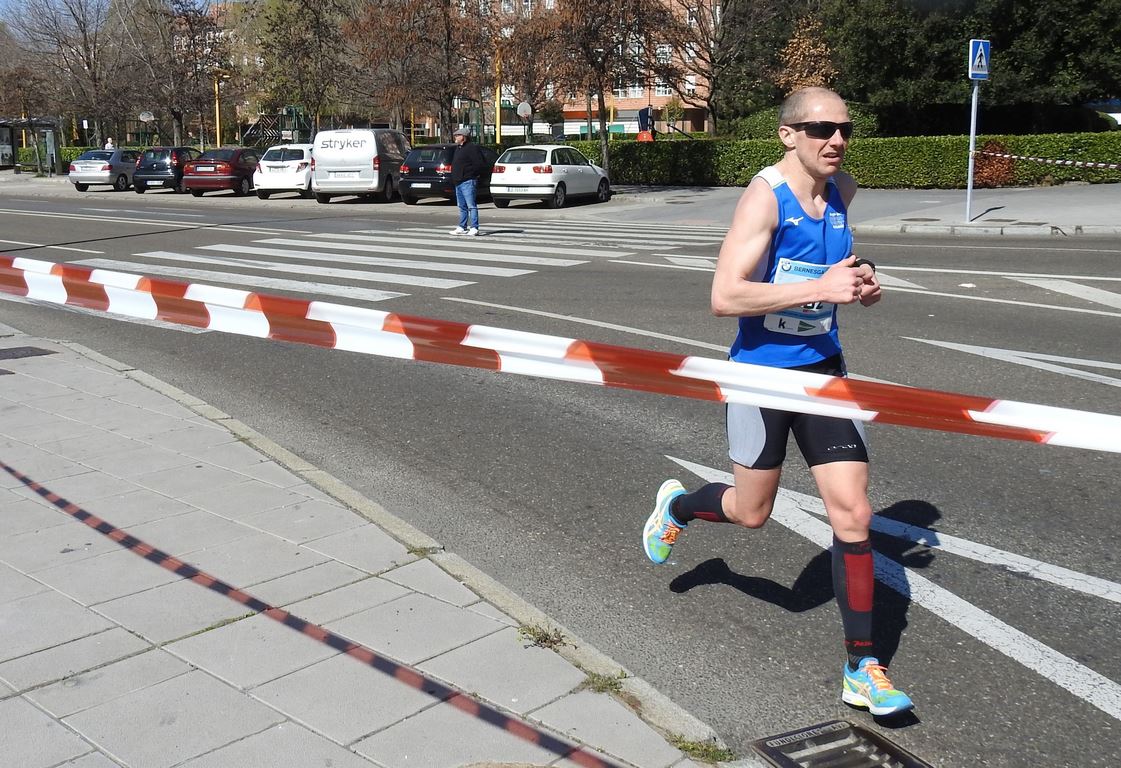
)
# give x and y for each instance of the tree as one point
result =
(708, 38)
(806, 60)
(532, 55)
(302, 52)
(606, 44)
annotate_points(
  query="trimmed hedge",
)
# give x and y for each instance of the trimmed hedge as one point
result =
(939, 162)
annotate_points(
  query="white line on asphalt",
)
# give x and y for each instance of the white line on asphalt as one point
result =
(986, 247)
(299, 269)
(374, 261)
(623, 225)
(597, 323)
(1049, 276)
(55, 247)
(146, 213)
(1035, 360)
(234, 278)
(481, 243)
(1011, 301)
(1081, 681)
(460, 251)
(1096, 295)
(709, 265)
(180, 225)
(664, 266)
(98, 313)
(656, 233)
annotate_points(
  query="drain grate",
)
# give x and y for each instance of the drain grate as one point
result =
(836, 743)
(15, 353)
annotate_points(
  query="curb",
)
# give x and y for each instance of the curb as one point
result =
(648, 703)
(980, 230)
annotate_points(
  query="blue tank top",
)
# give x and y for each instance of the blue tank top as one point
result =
(802, 248)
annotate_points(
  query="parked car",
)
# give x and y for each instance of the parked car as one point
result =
(222, 168)
(551, 173)
(162, 167)
(427, 172)
(284, 168)
(364, 162)
(104, 166)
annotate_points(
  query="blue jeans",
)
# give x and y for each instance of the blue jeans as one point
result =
(465, 199)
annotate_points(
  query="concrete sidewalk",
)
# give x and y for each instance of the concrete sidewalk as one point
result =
(232, 605)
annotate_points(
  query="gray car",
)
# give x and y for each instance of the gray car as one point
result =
(104, 166)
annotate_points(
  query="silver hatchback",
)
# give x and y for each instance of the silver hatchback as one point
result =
(104, 166)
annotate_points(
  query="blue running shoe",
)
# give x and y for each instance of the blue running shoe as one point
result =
(661, 529)
(868, 687)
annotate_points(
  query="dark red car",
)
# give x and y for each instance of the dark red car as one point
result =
(222, 168)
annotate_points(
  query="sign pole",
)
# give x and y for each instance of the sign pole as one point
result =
(972, 147)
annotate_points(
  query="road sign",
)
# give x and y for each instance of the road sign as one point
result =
(978, 61)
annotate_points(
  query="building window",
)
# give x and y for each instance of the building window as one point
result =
(690, 84)
(527, 7)
(661, 88)
(691, 18)
(663, 53)
(690, 51)
(507, 6)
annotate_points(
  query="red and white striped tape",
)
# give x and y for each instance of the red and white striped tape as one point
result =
(408, 337)
(1049, 161)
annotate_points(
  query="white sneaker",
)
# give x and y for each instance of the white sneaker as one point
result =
(473, 231)
(458, 231)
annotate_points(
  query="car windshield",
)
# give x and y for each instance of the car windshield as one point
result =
(95, 155)
(157, 154)
(523, 156)
(217, 154)
(286, 153)
(428, 155)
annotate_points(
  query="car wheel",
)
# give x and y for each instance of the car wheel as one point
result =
(121, 184)
(196, 193)
(387, 192)
(603, 193)
(262, 194)
(138, 188)
(322, 198)
(409, 200)
(558, 198)
(501, 203)
(243, 188)
(81, 187)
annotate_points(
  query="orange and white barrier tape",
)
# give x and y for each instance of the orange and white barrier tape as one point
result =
(389, 334)
(1050, 161)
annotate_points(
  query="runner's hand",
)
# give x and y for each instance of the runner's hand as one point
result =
(843, 283)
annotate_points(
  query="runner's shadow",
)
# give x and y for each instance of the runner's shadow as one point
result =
(814, 585)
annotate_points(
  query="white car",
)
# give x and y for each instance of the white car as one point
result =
(284, 168)
(551, 173)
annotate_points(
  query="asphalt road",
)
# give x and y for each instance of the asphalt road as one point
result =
(546, 485)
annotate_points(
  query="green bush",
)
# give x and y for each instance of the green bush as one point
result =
(764, 123)
(939, 162)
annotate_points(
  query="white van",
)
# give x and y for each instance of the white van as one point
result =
(357, 161)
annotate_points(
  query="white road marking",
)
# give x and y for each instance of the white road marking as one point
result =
(374, 261)
(1048, 276)
(985, 247)
(1081, 681)
(145, 213)
(181, 225)
(54, 247)
(466, 243)
(460, 251)
(1036, 360)
(347, 274)
(1010, 301)
(689, 261)
(1096, 295)
(233, 278)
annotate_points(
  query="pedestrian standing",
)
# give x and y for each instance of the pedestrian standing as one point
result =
(109, 143)
(468, 165)
(784, 266)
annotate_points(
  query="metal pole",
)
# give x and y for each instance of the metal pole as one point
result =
(498, 96)
(217, 116)
(972, 146)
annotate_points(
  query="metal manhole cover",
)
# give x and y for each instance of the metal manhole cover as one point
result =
(919, 218)
(835, 743)
(15, 353)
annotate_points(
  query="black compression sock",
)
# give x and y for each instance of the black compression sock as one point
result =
(705, 503)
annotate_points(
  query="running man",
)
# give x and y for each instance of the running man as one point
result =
(785, 265)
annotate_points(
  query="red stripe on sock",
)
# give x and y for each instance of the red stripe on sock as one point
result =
(859, 581)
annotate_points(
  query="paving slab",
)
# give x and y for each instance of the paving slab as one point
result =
(288, 745)
(254, 558)
(317, 580)
(71, 658)
(173, 721)
(106, 683)
(305, 520)
(172, 611)
(366, 547)
(32, 739)
(348, 600)
(426, 577)
(106, 577)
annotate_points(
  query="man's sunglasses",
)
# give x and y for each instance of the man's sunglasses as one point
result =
(823, 129)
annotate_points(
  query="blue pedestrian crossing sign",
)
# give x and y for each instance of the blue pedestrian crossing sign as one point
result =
(978, 60)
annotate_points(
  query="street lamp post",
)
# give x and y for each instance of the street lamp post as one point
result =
(217, 115)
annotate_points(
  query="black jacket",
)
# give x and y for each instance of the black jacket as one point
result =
(467, 162)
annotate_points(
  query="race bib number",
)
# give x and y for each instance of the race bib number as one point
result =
(809, 319)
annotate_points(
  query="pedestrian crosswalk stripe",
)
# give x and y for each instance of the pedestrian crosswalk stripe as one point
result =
(255, 281)
(385, 245)
(372, 261)
(486, 244)
(574, 223)
(348, 274)
(1088, 293)
(638, 241)
(605, 230)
